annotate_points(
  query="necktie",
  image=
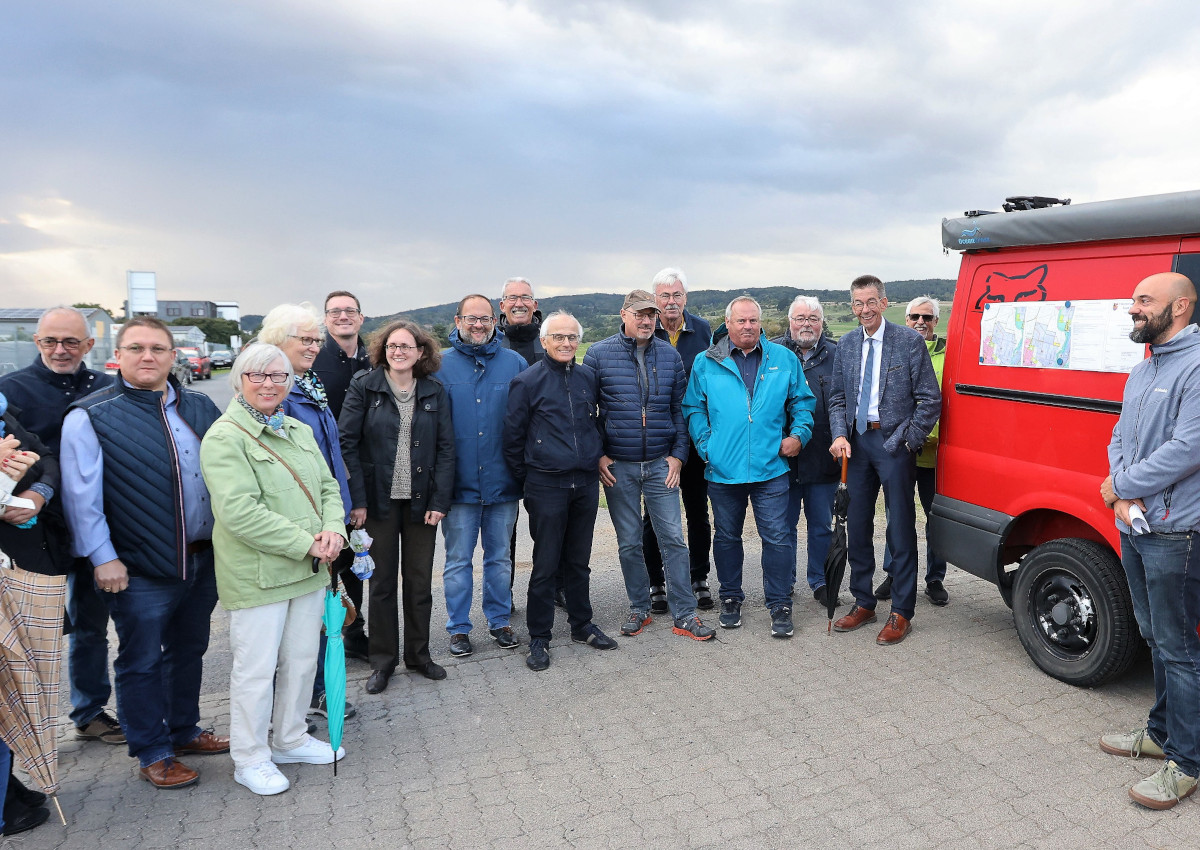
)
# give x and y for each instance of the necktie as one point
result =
(868, 384)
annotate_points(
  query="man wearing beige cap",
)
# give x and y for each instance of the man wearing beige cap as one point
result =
(641, 384)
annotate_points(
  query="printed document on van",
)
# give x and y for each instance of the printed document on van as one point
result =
(1087, 336)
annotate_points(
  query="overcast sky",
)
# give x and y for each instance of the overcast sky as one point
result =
(264, 151)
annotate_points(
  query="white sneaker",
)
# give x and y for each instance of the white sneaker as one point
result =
(311, 751)
(263, 778)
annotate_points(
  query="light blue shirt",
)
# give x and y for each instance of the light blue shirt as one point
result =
(873, 408)
(82, 464)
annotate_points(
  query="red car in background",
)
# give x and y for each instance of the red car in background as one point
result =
(200, 362)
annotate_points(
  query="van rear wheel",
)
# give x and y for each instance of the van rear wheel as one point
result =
(1073, 613)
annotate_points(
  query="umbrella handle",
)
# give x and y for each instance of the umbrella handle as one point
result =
(844, 461)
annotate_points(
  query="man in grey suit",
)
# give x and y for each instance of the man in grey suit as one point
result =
(884, 402)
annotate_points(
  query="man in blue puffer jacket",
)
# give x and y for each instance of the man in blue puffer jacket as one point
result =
(749, 409)
(476, 371)
(641, 384)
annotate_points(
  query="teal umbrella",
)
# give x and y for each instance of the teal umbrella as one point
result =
(335, 669)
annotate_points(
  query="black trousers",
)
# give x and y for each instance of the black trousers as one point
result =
(512, 552)
(562, 520)
(403, 549)
(693, 487)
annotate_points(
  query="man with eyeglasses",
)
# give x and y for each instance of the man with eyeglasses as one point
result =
(476, 371)
(814, 475)
(641, 383)
(885, 401)
(922, 316)
(520, 319)
(140, 513)
(749, 410)
(690, 335)
(42, 392)
(344, 355)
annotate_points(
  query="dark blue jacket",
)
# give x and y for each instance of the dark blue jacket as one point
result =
(694, 339)
(325, 429)
(550, 434)
(143, 497)
(476, 378)
(42, 396)
(640, 421)
(814, 464)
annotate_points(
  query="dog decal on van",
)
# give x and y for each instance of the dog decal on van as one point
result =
(1000, 287)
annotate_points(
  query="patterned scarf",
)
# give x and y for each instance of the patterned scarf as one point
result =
(310, 384)
(3, 408)
(274, 421)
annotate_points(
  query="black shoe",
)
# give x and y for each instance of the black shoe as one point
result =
(593, 637)
(18, 818)
(936, 591)
(378, 682)
(430, 670)
(704, 600)
(781, 622)
(539, 654)
(460, 646)
(504, 637)
(560, 599)
(27, 797)
(317, 706)
(356, 647)
(821, 594)
(884, 591)
(658, 600)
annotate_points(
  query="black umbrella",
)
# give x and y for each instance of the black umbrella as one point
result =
(835, 561)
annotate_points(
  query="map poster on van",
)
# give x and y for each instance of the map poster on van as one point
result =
(1087, 336)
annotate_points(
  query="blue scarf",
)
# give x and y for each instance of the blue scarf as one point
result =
(3, 408)
(274, 421)
(310, 385)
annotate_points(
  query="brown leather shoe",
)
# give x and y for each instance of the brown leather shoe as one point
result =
(169, 773)
(204, 744)
(893, 631)
(857, 618)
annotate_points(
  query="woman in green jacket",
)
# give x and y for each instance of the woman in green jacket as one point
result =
(278, 515)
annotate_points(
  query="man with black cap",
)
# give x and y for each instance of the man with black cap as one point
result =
(641, 384)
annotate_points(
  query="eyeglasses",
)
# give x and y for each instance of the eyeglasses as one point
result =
(49, 343)
(806, 320)
(157, 350)
(348, 311)
(478, 320)
(671, 296)
(921, 317)
(393, 348)
(571, 338)
(529, 298)
(306, 341)
(872, 304)
(259, 377)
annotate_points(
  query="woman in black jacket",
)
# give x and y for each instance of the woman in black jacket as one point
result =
(32, 537)
(398, 444)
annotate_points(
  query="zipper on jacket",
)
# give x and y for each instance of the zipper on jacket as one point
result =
(571, 407)
(173, 456)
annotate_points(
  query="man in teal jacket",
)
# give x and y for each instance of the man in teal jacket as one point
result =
(748, 410)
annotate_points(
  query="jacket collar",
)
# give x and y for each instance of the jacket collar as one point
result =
(376, 381)
(1186, 338)
(76, 380)
(475, 352)
(551, 363)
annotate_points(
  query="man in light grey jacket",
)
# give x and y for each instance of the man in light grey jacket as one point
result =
(1154, 489)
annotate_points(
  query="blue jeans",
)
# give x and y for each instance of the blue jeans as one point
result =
(163, 627)
(648, 480)
(462, 529)
(817, 502)
(1164, 582)
(87, 652)
(5, 769)
(770, 501)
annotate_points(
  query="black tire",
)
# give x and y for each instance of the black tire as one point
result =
(1073, 613)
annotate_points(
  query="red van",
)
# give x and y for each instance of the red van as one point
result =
(1036, 360)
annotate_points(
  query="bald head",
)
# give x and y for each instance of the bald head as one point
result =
(63, 339)
(1162, 307)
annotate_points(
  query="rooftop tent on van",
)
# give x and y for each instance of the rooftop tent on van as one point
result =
(1038, 353)
(1176, 214)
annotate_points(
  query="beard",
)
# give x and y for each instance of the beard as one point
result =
(1153, 327)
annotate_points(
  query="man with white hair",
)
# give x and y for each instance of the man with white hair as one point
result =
(922, 316)
(520, 320)
(690, 335)
(42, 392)
(814, 474)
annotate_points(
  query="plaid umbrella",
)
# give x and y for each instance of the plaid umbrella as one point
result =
(31, 619)
(335, 667)
(835, 560)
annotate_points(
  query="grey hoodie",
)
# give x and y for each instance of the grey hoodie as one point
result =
(1155, 450)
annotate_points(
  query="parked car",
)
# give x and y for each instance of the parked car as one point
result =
(182, 368)
(1037, 357)
(112, 366)
(222, 358)
(201, 363)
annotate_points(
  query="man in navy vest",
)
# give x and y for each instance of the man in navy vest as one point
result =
(42, 392)
(140, 513)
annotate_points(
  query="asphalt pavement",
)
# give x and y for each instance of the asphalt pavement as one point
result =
(951, 738)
